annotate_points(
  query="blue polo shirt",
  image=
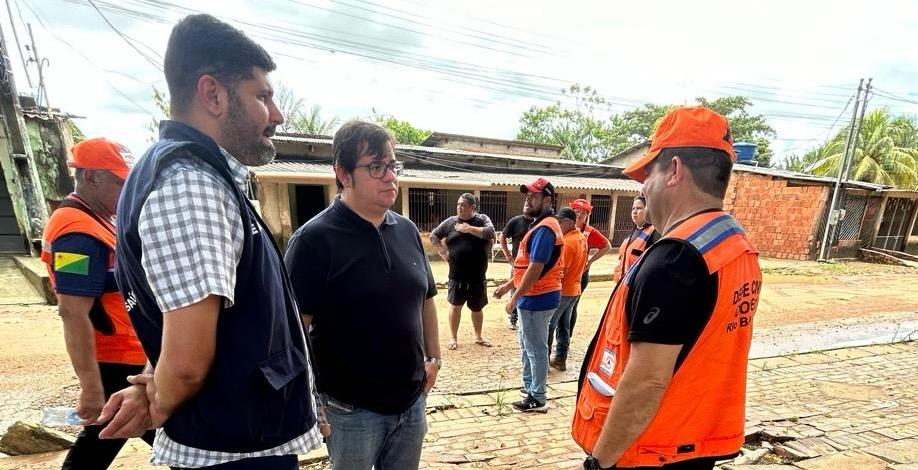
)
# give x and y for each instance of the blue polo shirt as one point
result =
(365, 288)
(541, 246)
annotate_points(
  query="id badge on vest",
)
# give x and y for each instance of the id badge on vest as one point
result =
(607, 364)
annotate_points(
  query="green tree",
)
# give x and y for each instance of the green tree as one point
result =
(575, 124)
(161, 102)
(404, 132)
(886, 151)
(299, 119)
(586, 135)
(76, 132)
(635, 126)
(745, 127)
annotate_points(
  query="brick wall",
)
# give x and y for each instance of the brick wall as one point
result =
(779, 219)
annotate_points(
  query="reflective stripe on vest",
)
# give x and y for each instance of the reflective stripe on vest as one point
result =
(550, 280)
(628, 253)
(122, 346)
(703, 410)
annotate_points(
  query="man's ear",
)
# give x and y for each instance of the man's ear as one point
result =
(676, 172)
(211, 95)
(343, 176)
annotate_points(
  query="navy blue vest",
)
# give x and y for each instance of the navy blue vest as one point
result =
(256, 395)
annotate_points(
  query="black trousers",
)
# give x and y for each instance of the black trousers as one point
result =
(89, 452)
(277, 462)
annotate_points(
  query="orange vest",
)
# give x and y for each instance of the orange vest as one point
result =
(628, 253)
(575, 259)
(550, 280)
(122, 346)
(703, 409)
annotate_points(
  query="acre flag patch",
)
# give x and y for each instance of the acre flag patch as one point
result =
(72, 263)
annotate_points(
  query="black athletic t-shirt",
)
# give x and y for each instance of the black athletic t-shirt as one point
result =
(514, 232)
(672, 296)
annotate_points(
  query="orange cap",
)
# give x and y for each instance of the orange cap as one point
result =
(102, 154)
(582, 204)
(685, 127)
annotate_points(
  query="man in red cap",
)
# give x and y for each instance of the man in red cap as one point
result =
(663, 383)
(537, 271)
(77, 248)
(597, 243)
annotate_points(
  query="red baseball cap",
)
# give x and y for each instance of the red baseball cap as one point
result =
(540, 185)
(582, 204)
(102, 154)
(685, 127)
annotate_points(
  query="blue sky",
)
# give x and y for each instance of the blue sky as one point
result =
(473, 67)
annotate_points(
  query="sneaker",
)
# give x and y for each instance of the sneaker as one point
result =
(530, 404)
(559, 364)
(524, 392)
(512, 326)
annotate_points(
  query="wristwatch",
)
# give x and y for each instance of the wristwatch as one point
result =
(592, 464)
(436, 361)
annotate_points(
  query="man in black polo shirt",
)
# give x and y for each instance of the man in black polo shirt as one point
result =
(514, 231)
(464, 240)
(365, 290)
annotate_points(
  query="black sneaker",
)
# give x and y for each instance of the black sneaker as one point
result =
(512, 325)
(530, 404)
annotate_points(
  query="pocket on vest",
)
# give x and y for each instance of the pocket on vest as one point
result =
(592, 409)
(282, 367)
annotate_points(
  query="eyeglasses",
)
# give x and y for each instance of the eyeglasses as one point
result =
(378, 170)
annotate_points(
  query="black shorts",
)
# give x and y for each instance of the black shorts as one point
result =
(474, 293)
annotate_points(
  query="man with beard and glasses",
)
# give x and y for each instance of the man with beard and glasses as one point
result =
(229, 384)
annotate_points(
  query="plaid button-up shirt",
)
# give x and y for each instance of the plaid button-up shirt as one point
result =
(192, 236)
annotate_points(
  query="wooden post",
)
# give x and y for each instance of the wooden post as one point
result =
(876, 226)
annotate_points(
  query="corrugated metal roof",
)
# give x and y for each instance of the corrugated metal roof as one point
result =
(793, 175)
(419, 150)
(573, 181)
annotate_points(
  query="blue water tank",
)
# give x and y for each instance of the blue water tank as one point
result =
(745, 151)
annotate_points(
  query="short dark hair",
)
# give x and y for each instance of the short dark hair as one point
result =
(642, 199)
(710, 168)
(355, 139)
(469, 199)
(202, 44)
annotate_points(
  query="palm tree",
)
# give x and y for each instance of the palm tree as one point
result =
(886, 153)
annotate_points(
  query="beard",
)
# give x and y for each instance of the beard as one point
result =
(241, 140)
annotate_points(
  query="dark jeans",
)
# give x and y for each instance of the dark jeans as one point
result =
(90, 452)
(275, 462)
(583, 283)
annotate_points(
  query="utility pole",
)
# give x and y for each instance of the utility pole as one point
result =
(40, 63)
(19, 168)
(832, 218)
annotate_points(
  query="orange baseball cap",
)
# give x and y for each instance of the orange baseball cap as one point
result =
(685, 127)
(582, 204)
(102, 154)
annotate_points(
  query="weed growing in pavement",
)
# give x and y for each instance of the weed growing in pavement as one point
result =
(501, 399)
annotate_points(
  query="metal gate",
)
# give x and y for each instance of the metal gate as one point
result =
(850, 226)
(494, 205)
(428, 206)
(894, 227)
(602, 208)
(623, 223)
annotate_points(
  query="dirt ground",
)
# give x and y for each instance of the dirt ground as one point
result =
(35, 372)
